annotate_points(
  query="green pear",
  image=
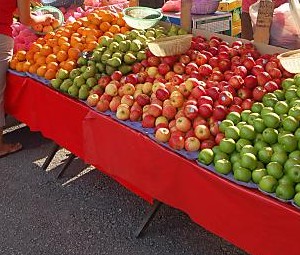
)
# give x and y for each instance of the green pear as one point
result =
(110, 69)
(141, 55)
(141, 38)
(124, 46)
(83, 93)
(83, 68)
(73, 91)
(74, 73)
(133, 34)
(97, 76)
(105, 41)
(114, 62)
(91, 63)
(82, 61)
(129, 58)
(79, 81)
(117, 55)
(55, 83)
(89, 72)
(150, 33)
(91, 82)
(96, 56)
(62, 74)
(66, 84)
(101, 67)
(119, 37)
(125, 69)
(105, 57)
(136, 45)
(114, 47)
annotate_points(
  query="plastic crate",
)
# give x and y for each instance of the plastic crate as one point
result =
(218, 22)
(229, 5)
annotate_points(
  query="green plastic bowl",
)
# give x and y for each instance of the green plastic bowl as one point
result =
(141, 17)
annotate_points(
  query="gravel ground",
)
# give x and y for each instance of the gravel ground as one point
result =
(84, 212)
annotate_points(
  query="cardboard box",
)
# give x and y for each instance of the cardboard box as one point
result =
(229, 5)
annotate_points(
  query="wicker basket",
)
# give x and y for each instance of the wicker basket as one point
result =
(290, 61)
(171, 46)
(62, 3)
(204, 6)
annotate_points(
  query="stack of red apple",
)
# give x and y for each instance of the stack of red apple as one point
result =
(185, 97)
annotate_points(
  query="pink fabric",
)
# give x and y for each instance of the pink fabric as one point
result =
(247, 3)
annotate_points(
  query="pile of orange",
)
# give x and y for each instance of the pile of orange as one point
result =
(61, 49)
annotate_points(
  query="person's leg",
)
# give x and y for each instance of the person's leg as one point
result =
(247, 30)
(6, 46)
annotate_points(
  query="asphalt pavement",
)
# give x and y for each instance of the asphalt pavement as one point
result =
(84, 212)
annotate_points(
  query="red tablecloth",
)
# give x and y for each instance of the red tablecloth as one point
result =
(244, 217)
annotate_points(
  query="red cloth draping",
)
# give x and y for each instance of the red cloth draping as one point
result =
(247, 218)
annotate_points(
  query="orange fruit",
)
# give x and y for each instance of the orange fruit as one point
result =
(69, 65)
(115, 29)
(123, 30)
(47, 29)
(65, 46)
(38, 27)
(80, 30)
(29, 55)
(41, 60)
(93, 26)
(76, 25)
(49, 35)
(52, 65)
(19, 66)
(52, 42)
(66, 32)
(91, 16)
(36, 56)
(35, 47)
(73, 53)
(90, 38)
(121, 22)
(92, 45)
(79, 46)
(61, 56)
(55, 24)
(62, 40)
(33, 68)
(109, 34)
(13, 63)
(55, 49)
(41, 70)
(26, 66)
(96, 21)
(21, 55)
(46, 50)
(51, 58)
(41, 40)
(50, 74)
(105, 26)
(108, 17)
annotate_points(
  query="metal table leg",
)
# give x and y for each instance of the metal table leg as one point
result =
(66, 165)
(51, 155)
(148, 218)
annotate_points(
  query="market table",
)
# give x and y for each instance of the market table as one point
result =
(247, 218)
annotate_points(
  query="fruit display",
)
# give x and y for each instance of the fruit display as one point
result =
(62, 48)
(226, 106)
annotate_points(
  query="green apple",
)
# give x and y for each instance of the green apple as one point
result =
(248, 149)
(281, 107)
(247, 132)
(270, 135)
(291, 93)
(266, 110)
(295, 112)
(277, 148)
(279, 94)
(242, 174)
(234, 157)
(285, 179)
(259, 125)
(216, 149)
(224, 124)
(287, 83)
(265, 155)
(245, 114)
(275, 169)
(295, 102)
(257, 174)
(232, 132)
(249, 161)
(294, 173)
(271, 119)
(240, 124)
(280, 157)
(258, 145)
(227, 145)
(206, 156)
(295, 154)
(268, 183)
(297, 199)
(235, 117)
(269, 100)
(290, 124)
(257, 107)
(252, 116)
(220, 155)
(55, 83)
(297, 134)
(241, 143)
(285, 191)
(297, 187)
(290, 163)
(223, 166)
(289, 142)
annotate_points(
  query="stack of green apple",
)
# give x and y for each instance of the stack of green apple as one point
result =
(79, 82)
(123, 50)
(262, 145)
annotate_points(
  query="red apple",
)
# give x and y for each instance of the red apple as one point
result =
(127, 99)
(247, 104)
(102, 105)
(183, 124)
(219, 138)
(244, 93)
(176, 142)
(148, 121)
(225, 98)
(162, 135)
(250, 81)
(179, 68)
(205, 110)
(169, 111)
(192, 144)
(219, 112)
(271, 86)
(155, 110)
(190, 67)
(153, 61)
(205, 70)
(116, 76)
(114, 103)
(202, 132)
(143, 99)
(104, 80)
(241, 71)
(204, 100)
(213, 92)
(263, 78)
(137, 67)
(201, 59)
(190, 111)
(258, 93)
(236, 108)
(185, 59)
(92, 100)
(236, 81)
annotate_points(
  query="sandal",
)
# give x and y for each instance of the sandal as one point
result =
(10, 149)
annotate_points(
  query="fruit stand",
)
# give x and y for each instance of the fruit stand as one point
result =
(211, 130)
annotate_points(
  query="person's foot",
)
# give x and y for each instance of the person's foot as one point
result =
(6, 149)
